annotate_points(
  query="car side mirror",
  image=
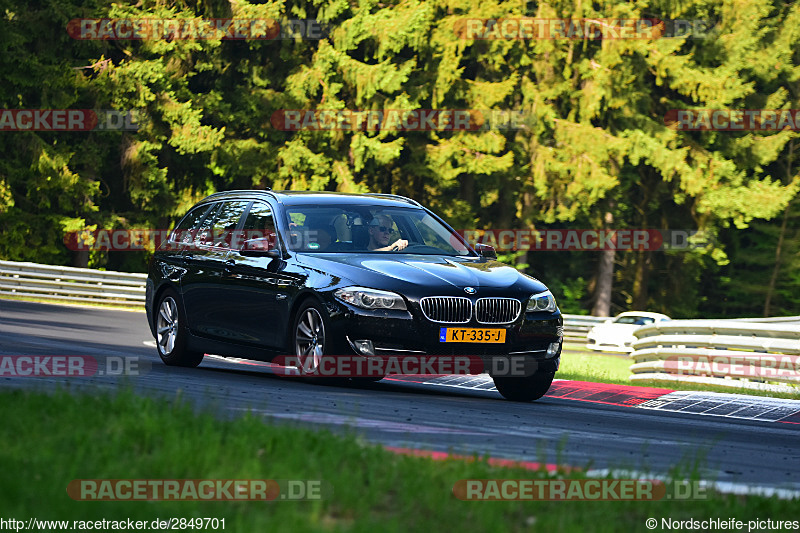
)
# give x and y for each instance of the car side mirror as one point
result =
(259, 248)
(486, 251)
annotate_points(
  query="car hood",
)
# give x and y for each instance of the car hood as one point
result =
(425, 274)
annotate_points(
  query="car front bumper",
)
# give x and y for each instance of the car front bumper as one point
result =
(407, 333)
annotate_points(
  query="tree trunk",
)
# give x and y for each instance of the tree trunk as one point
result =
(468, 189)
(641, 279)
(80, 258)
(508, 207)
(605, 277)
(643, 258)
(776, 269)
(526, 256)
(773, 279)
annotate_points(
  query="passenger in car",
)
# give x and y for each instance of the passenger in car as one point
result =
(380, 229)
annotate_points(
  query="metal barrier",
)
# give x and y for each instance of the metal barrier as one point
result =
(71, 284)
(741, 353)
(577, 326)
(89, 285)
(771, 320)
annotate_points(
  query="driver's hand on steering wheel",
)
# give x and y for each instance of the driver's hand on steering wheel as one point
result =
(399, 244)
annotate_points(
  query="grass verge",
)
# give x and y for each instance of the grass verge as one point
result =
(50, 440)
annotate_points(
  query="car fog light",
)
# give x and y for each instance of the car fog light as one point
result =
(553, 349)
(364, 347)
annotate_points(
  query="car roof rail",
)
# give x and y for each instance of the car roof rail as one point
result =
(220, 193)
(396, 197)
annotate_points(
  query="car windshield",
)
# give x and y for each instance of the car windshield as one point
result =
(348, 228)
(637, 320)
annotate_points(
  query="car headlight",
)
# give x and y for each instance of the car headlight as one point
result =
(371, 298)
(544, 301)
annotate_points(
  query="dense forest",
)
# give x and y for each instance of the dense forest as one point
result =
(595, 148)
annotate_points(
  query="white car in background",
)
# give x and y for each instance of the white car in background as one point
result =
(616, 334)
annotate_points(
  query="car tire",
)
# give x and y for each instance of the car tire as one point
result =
(308, 339)
(172, 332)
(524, 389)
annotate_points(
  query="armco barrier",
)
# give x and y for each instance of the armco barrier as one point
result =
(88, 285)
(71, 284)
(577, 326)
(741, 353)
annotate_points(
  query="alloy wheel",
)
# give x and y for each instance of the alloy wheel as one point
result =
(310, 340)
(167, 325)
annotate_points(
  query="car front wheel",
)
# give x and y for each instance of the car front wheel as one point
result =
(309, 338)
(524, 389)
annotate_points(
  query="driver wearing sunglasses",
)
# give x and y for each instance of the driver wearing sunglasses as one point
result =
(380, 229)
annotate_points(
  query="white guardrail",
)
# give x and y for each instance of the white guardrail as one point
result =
(89, 285)
(742, 353)
(743, 343)
(71, 284)
(577, 326)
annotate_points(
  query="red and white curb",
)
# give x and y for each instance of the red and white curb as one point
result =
(726, 405)
(720, 404)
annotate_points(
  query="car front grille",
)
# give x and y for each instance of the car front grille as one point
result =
(449, 309)
(497, 310)
(458, 310)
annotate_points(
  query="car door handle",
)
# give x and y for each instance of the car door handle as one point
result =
(229, 264)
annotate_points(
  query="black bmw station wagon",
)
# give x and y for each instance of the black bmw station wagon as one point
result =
(264, 274)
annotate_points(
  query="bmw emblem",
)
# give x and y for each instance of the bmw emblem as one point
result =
(469, 290)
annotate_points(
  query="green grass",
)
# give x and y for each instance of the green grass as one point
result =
(49, 440)
(574, 346)
(594, 367)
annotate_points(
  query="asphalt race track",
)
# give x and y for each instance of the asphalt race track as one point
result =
(406, 414)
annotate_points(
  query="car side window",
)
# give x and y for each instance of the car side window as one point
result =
(183, 231)
(227, 222)
(202, 235)
(258, 224)
(193, 236)
(218, 230)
